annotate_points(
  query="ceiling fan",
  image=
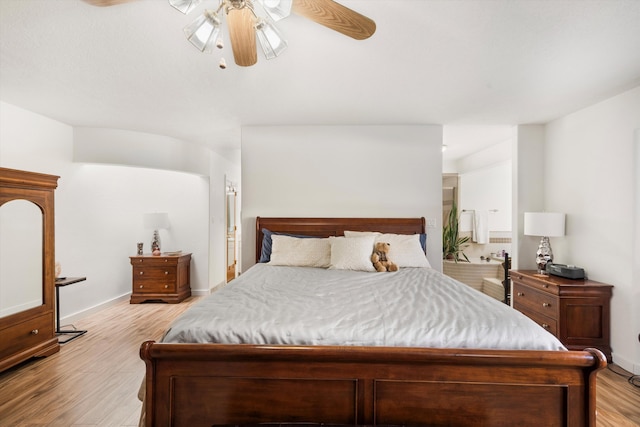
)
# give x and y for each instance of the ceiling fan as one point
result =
(246, 22)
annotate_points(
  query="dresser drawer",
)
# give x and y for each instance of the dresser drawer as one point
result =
(535, 301)
(26, 334)
(547, 323)
(537, 283)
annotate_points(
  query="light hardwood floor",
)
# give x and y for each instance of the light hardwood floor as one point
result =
(71, 389)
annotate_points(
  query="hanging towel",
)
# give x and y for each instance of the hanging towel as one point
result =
(480, 232)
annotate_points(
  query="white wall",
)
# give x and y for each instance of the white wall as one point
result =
(348, 171)
(486, 189)
(591, 174)
(99, 211)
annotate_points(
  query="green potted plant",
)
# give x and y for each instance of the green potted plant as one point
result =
(452, 243)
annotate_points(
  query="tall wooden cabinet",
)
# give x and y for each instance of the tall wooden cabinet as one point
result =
(27, 263)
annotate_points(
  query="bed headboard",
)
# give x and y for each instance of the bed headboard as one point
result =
(325, 227)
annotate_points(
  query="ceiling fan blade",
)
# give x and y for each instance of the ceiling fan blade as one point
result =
(103, 3)
(242, 36)
(337, 17)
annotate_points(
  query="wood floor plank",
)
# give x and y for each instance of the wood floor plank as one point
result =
(70, 389)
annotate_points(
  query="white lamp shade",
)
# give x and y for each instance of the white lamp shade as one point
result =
(156, 220)
(544, 224)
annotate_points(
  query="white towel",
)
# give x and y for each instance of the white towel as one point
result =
(480, 232)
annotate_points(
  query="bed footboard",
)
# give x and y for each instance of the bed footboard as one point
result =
(222, 384)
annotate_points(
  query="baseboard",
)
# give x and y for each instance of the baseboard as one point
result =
(74, 317)
(625, 364)
(200, 293)
(217, 287)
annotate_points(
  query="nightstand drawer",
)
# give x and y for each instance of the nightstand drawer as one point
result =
(547, 323)
(535, 301)
(154, 274)
(151, 286)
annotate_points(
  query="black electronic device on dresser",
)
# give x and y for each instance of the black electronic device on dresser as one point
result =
(568, 271)
(577, 311)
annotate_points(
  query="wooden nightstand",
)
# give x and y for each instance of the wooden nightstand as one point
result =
(575, 311)
(161, 278)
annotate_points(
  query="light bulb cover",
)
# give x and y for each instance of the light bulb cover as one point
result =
(184, 6)
(203, 32)
(277, 9)
(270, 38)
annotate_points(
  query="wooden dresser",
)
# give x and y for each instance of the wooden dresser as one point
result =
(27, 278)
(161, 278)
(575, 311)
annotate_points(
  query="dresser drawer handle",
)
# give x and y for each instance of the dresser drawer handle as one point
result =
(520, 294)
(166, 272)
(141, 273)
(141, 286)
(166, 286)
(545, 286)
(544, 325)
(546, 304)
(34, 332)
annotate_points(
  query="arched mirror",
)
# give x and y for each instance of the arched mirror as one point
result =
(21, 251)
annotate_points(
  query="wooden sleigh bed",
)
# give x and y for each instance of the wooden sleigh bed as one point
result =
(245, 384)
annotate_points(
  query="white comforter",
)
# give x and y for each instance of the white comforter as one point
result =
(414, 307)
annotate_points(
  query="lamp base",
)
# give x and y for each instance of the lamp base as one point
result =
(155, 242)
(544, 255)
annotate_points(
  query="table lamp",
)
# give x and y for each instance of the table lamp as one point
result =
(156, 221)
(544, 225)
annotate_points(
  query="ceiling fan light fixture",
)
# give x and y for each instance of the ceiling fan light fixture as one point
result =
(277, 9)
(203, 32)
(270, 38)
(184, 6)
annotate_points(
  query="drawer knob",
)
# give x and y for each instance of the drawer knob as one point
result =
(544, 325)
(166, 286)
(545, 286)
(141, 286)
(34, 332)
(546, 304)
(166, 272)
(141, 273)
(520, 294)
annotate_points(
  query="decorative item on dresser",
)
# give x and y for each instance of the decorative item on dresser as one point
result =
(27, 266)
(574, 310)
(161, 278)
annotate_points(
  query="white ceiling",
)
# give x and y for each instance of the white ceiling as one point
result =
(460, 63)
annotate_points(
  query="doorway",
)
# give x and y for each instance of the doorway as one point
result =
(231, 199)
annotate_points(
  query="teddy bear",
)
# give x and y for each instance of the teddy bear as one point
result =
(379, 257)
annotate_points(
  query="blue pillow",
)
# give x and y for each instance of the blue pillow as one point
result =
(267, 243)
(423, 242)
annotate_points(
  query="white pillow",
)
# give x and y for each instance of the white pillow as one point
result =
(300, 252)
(348, 233)
(352, 254)
(405, 250)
